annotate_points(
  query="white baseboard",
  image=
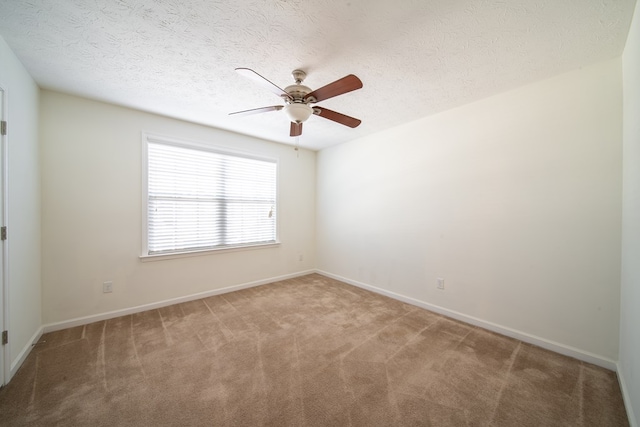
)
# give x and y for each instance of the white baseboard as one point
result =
(22, 356)
(627, 399)
(79, 321)
(503, 330)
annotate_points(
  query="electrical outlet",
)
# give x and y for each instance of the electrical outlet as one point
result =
(440, 283)
(107, 287)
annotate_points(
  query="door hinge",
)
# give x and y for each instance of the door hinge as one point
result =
(3, 127)
(3, 233)
(5, 337)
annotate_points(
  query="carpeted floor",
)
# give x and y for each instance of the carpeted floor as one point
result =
(309, 351)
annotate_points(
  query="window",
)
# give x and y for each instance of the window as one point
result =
(199, 198)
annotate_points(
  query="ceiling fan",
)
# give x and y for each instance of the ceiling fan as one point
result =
(298, 99)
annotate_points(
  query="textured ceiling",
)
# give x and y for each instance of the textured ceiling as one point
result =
(415, 57)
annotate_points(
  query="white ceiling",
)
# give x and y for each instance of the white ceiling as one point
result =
(415, 57)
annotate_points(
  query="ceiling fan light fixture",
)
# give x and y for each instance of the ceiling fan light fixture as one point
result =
(298, 112)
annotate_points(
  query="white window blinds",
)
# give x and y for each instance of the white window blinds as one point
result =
(199, 199)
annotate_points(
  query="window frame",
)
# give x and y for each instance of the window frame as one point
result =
(146, 138)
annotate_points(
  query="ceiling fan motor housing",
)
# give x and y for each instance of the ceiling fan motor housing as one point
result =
(298, 92)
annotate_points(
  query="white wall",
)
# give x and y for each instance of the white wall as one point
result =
(629, 366)
(23, 198)
(514, 200)
(91, 212)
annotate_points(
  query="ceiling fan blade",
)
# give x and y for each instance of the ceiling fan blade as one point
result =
(296, 129)
(249, 73)
(258, 110)
(339, 87)
(343, 119)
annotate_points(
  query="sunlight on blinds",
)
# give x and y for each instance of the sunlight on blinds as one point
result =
(201, 199)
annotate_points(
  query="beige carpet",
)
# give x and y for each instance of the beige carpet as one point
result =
(303, 352)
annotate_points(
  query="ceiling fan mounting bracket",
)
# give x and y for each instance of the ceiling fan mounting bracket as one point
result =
(298, 76)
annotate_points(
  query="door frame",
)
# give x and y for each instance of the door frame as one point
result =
(5, 354)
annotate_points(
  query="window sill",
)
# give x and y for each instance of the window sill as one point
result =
(174, 255)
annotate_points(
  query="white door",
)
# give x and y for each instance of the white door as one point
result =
(3, 312)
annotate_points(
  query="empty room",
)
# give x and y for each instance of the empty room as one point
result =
(327, 213)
